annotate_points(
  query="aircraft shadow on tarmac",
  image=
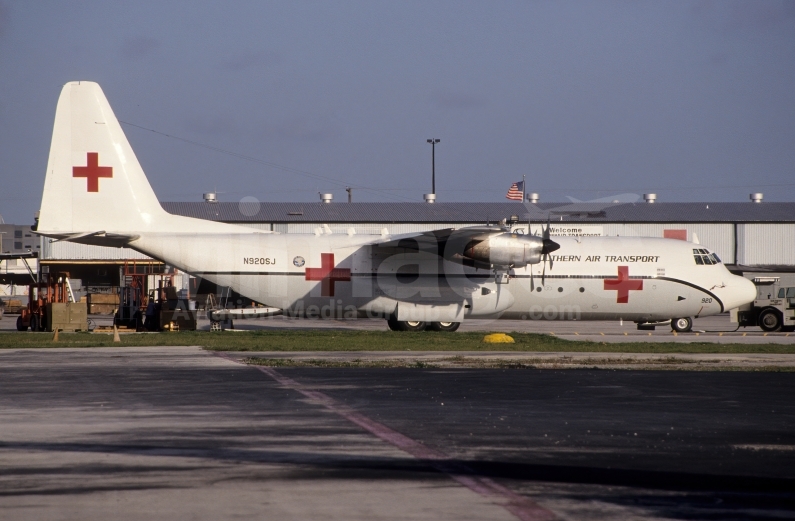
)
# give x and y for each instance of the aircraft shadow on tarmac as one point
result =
(671, 494)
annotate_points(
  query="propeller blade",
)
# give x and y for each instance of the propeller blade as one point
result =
(544, 271)
(548, 247)
(532, 283)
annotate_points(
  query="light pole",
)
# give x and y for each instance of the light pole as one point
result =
(433, 163)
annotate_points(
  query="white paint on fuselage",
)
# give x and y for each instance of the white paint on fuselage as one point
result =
(574, 288)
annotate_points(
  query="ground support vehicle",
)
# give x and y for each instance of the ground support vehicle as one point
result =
(51, 306)
(130, 314)
(776, 313)
(167, 312)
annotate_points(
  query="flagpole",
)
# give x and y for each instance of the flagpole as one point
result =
(524, 185)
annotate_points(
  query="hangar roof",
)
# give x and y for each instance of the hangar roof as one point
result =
(317, 212)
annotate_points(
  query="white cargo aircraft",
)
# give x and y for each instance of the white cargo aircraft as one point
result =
(96, 192)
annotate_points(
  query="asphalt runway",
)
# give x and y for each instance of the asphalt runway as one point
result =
(180, 433)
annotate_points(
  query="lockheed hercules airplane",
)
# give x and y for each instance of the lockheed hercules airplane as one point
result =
(95, 192)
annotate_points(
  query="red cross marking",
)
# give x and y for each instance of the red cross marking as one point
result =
(623, 285)
(92, 172)
(327, 274)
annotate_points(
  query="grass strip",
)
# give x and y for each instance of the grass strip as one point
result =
(346, 340)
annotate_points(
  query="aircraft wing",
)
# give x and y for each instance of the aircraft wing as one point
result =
(476, 246)
(435, 241)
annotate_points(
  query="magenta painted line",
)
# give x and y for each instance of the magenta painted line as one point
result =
(518, 505)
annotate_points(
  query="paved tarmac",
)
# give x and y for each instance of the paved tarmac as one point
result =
(180, 433)
(716, 329)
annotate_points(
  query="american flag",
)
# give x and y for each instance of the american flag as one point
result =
(516, 191)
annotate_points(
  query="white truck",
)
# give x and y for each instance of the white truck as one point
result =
(774, 308)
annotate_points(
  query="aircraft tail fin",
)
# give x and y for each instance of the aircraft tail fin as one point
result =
(94, 181)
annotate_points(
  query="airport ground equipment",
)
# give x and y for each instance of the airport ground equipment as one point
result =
(774, 308)
(170, 312)
(133, 298)
(51, 306)
(130, 313)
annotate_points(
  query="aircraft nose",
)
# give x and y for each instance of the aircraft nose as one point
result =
(742, 291)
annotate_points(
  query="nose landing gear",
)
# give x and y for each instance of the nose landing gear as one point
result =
(682, 325)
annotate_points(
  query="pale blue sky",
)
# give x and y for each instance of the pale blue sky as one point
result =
(692, 100)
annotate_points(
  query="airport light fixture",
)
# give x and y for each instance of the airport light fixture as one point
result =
(433, 142)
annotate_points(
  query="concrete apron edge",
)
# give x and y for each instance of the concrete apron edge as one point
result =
(476, 359)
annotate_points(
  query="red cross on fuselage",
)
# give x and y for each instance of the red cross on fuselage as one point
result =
(327, 274)
(623, 285)
(92, 172)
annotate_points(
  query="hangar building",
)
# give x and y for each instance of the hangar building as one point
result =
(749, 237)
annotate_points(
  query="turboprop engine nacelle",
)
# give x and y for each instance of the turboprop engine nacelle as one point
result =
(509, 249)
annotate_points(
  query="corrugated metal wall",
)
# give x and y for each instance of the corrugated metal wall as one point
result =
(766, 244)
(257, 226)
(365, 229)
(718, 237)
(65, 250)
(758, 244)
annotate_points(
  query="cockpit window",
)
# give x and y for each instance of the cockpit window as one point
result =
(781, 293)
(704, 257)
(790, 292)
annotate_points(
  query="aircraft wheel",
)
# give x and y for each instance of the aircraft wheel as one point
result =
(682, 325)
(413, 325)
(770, 320)
(21, 325)
(443, 326)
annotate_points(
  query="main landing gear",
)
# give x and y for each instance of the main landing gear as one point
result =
(416, 325)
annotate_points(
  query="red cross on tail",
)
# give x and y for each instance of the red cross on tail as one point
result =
(327, 274)
(623, 285)
(92, 171)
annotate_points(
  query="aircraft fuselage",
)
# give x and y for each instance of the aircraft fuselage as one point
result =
(630, 278)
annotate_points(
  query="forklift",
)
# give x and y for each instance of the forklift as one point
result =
(133, 301)
(51, 306)
(132, 304)
(166, 311)
(143, 308)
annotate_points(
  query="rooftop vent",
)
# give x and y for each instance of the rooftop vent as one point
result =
(757, 198)
(210, 197)
(533, 198)
(650, 198)
(429, 198)
(326, 198)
